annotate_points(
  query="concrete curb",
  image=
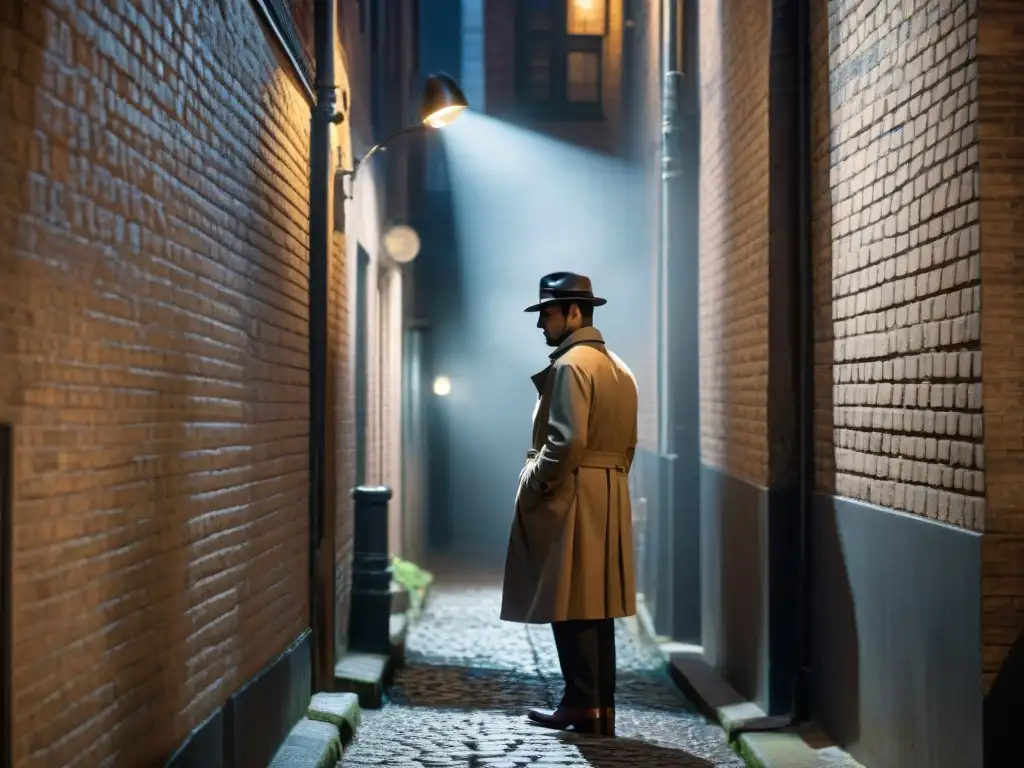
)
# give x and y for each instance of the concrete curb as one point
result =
(317, 740)
(368, 675)
(364, 674)
(339, 709)
(762, 741)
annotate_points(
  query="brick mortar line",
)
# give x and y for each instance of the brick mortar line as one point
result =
(877, 132)
(904, 355)
(916, 483)
(972, 282)
(937, 266)
(970, 439)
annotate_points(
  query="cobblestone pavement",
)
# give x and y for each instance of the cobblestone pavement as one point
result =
(470, 678)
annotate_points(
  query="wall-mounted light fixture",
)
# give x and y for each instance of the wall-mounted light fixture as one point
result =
(401, 243)
(442, 386)
(443, 102)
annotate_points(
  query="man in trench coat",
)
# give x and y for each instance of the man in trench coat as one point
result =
(570, 551)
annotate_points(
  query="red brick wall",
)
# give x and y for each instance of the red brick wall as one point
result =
(901, 260)
(821, 244)
(343, 431)
(153, 236)
(1000, 120)
(734, 54)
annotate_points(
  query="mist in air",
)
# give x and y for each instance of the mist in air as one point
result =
(525, 205)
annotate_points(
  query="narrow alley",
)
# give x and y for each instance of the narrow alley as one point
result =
(470, 678)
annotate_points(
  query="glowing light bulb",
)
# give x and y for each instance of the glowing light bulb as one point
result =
(442, 386)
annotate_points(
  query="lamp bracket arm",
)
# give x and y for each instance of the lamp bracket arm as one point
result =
(380, 147)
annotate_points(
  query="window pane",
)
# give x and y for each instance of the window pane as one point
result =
(586, 17)
(538, 71)
(584, 70)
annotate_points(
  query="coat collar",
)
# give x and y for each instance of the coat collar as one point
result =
(588, 335)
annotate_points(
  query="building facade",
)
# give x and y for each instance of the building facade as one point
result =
(545, 80)
(155, 205)
(860, 531)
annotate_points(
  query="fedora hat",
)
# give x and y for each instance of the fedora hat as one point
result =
(565, 286)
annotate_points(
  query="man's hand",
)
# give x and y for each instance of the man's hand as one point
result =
(528, 479)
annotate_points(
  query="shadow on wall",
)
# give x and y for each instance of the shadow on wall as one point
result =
(1004, 709)
(155, 374)
(733, 199)
(749, 533)
(523, 205)
(833, 634)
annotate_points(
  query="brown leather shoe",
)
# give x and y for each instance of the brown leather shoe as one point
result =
(593, 722)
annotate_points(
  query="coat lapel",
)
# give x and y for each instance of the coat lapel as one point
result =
(540, 379)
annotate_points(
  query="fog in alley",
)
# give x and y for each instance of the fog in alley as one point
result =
(524, 205)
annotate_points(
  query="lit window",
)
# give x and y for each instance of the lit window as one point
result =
(586, 17)
(559, 56)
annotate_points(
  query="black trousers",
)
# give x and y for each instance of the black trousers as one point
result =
(586, 653)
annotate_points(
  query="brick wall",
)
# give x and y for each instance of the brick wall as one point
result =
(343, 432)
(153, 235)
(902, 260)
(734, 54)
(1000, 117)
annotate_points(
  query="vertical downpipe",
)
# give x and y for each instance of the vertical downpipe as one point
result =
(801, 704)
(320, 189)
(670, 176)
(664, 604)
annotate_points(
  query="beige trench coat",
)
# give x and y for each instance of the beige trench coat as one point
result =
(570, 552)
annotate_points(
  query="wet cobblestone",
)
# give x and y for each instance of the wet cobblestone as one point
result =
(469, 679)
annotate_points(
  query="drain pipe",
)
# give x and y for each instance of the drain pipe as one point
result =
(805, 406)
(671, 178)
(321, 564)
(797, 14)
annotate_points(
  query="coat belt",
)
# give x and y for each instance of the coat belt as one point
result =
(595, 460)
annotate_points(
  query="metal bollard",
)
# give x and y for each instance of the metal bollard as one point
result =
(370, 616)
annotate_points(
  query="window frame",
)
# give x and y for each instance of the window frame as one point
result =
(559, 45)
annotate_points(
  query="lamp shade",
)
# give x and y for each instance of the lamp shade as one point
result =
(443, 101)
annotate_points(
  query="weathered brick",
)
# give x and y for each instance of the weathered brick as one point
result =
(1000, 321)
(153, 242)
(734, 239)
(895, 195)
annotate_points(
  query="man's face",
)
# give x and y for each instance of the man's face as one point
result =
(558, 322)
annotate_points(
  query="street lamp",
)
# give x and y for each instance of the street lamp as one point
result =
(442, 104)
